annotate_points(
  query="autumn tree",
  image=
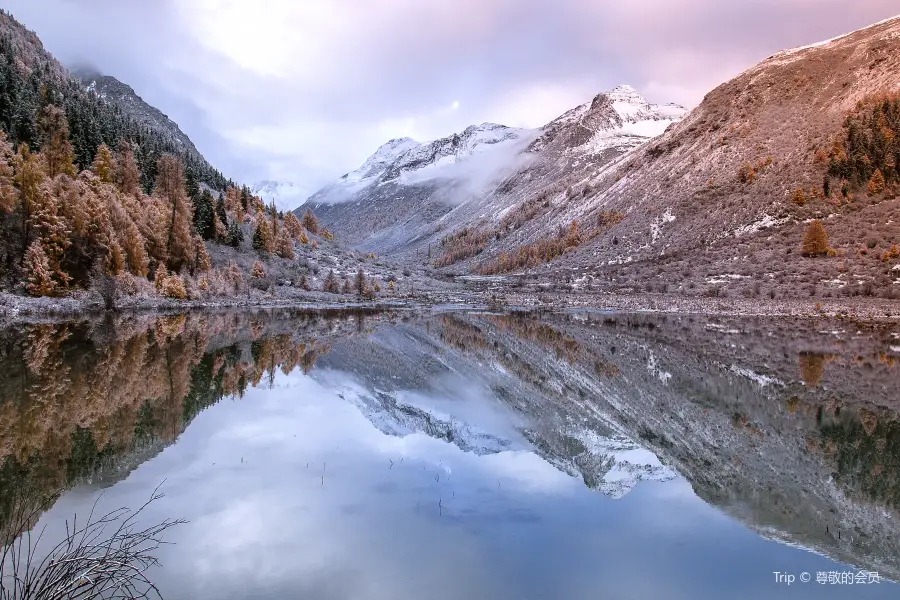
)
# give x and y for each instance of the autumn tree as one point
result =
(127, 175)
(330, 284)
(815, 241)
(258, 271)
(346, 288)
(309, 222)
(38, 278)
(293, 226)
(29, 173)
(104, 167)
(57, 151)
(284, 245)
(170, 187)
(876, 183)
(263, 239)
(233, 203)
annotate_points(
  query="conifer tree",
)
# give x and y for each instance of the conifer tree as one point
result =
(221, 213)
(8, 193)
(235, 236)
(360, 282)
(263, 240)
(309, 222)
(170, 187)
(815, 241)
(284, 245)
(330, 284)
(38, 278)
(57, 151)
(204, 216)
(103, 166)
(127, 175)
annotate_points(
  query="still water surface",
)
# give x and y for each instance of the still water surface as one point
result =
(333, 455)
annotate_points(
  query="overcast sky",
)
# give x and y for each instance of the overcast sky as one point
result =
(305, 90)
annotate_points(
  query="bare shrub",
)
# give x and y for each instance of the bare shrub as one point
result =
(106, 557)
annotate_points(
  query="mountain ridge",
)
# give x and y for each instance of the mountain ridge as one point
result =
(484, 170)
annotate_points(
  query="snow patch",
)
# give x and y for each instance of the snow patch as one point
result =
(761, 380)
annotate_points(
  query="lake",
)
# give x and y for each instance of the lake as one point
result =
(448, 455)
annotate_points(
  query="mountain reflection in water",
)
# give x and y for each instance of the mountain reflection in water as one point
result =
(378, 454)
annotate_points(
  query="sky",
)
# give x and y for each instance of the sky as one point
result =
(305, 90)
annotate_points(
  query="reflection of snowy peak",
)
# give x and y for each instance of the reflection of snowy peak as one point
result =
(624, 464)
(395, 417)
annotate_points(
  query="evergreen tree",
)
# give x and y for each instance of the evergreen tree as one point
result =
(815, 241)
(235, 236)
(221, 212)
(204, 217)
(360, 282)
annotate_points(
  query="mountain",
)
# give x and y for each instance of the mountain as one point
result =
(407, 195)
(129, 103)
(107, 113)
(624, 196)
(285, 194)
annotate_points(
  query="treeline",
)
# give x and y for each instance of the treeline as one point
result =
(63, 229)
(31, 80)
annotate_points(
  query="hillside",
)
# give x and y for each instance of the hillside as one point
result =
(408, 195)
(123, 97)
(31, 78)
(719, 204)
(102, 198)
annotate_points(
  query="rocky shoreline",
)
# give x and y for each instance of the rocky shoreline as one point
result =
(15, 308)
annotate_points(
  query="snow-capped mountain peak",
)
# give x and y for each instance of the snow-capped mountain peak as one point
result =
(285, 194)
(620, 118)
(386, 154)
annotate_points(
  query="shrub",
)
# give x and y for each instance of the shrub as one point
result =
(815, 240)
(461, 245)
(746, 174)
(798, 197)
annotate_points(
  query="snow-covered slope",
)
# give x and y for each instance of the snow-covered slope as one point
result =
(406, 161)
(408, 195)
(620, 118)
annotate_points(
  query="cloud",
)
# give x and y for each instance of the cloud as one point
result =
(305, 91)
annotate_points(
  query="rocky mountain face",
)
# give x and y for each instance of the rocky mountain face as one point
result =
(408, 195)
(126, 99)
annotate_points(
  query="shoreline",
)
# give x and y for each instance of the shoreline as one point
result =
(15, 309)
